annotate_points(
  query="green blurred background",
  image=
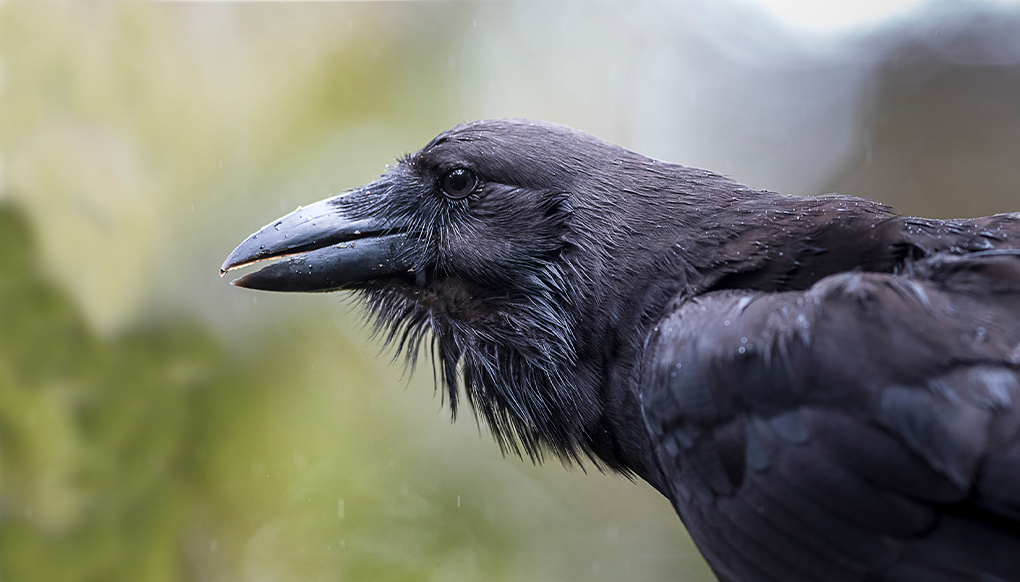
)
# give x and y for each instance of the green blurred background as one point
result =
(158, 424)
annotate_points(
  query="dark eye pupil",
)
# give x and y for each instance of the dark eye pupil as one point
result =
(459, 183)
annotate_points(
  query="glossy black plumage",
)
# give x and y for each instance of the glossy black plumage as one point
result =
(823, 389)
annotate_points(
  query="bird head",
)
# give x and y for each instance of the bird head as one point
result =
(513, 249)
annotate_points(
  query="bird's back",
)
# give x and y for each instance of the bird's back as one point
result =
(864, 428)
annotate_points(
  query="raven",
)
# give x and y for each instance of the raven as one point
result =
(824, 390)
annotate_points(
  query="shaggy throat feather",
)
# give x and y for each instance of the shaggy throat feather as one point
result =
(515, 361)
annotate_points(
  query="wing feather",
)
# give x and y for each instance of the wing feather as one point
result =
(867, 428)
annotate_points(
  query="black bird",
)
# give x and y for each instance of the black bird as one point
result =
(824, 390)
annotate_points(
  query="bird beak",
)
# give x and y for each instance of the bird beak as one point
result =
(328, 246)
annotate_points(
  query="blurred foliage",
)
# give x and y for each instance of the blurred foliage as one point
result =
(98, 437)
(153, 455)
(130, 120)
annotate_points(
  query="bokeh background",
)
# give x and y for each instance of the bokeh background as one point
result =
(158, 424)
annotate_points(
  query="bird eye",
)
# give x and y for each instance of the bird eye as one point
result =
(459, 183)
